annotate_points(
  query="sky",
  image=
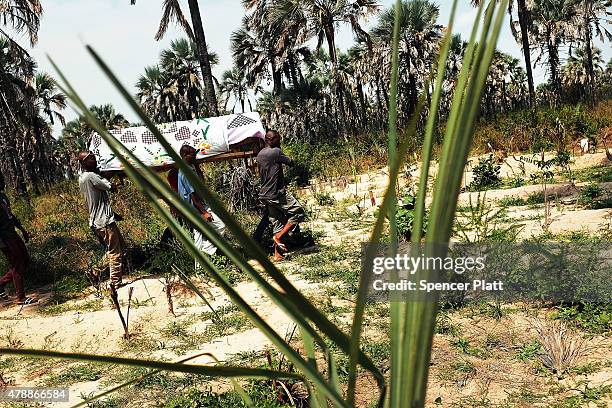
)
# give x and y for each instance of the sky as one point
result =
(123, 35)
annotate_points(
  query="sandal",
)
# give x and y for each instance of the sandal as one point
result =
(28, 301)
(3, 296)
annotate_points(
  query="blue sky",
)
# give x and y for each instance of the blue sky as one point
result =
(123, 35)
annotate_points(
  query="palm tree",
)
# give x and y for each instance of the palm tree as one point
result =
(234, 85)
(23, 16)
(16, 71)
(320, 18)
(109, 117)
(254, 49)
(552, 25)
(524, 23)
(180, 65)
(172, 12)
(576, 75)
(419, 38)
(156, 96)
(172, 90)
(49, 100)
(595, 15)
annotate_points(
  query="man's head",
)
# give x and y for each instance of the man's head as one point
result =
(88, 161)
(188, 154)
(273, 138)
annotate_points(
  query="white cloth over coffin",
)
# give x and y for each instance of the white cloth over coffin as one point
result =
(210, 136)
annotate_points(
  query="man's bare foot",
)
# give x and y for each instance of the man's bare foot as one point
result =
(278, 243)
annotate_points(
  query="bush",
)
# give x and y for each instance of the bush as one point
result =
(535, 198)
(404, 215)
(325, 199)
(486, 175)
(595, 318)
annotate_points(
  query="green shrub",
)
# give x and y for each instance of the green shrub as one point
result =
(512, 201)
(325, 199)
(486, 175)
(535, 198)
(528, 351)
(404, 215)
(590, 192)
(595, 318)
(517, 181)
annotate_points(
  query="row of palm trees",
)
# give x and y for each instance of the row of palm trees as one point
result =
(285, 54)
(29, 103)
(319, 93)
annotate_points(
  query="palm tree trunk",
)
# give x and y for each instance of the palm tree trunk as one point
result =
(588, 4)
(523, 15)
(200, 39)
(330, 35)
(276, 77)
(553, 61)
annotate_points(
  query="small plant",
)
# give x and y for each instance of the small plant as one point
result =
(486, 175)
(528, 351)
(325, 199)
(562, 348)
(444, 324)
(590, 192)
(404, 215)
(479, 223)
(594, 197)
(594, 318)
(516, 181)
(512, 201)
(535, 198)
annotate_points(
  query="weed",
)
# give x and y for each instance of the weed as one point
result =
(11, 340)
(587, 397)
(594, 318)
(529, 351)
(404, 215)
(561, 347)
(486, 175)
(325, 199)
(480, 223)
(444, 324)
(535, 199)
(511, 201)
(74, 374)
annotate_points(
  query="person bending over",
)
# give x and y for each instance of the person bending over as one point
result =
(14, 249)
(102, 220)
(283, 209)
(188, 193)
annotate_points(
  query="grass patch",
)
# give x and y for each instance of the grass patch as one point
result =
(74, 374)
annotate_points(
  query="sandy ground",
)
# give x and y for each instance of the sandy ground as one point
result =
(99, 331)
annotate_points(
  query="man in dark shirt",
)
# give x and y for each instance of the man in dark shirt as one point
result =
(14, 249)
(283, 209)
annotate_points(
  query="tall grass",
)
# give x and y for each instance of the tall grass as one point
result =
(412, 323)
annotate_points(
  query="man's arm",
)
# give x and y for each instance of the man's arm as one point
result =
(20, 227)
(101, 183)
(201, 207)
(285, 159)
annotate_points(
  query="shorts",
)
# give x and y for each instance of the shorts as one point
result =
(285, 209)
